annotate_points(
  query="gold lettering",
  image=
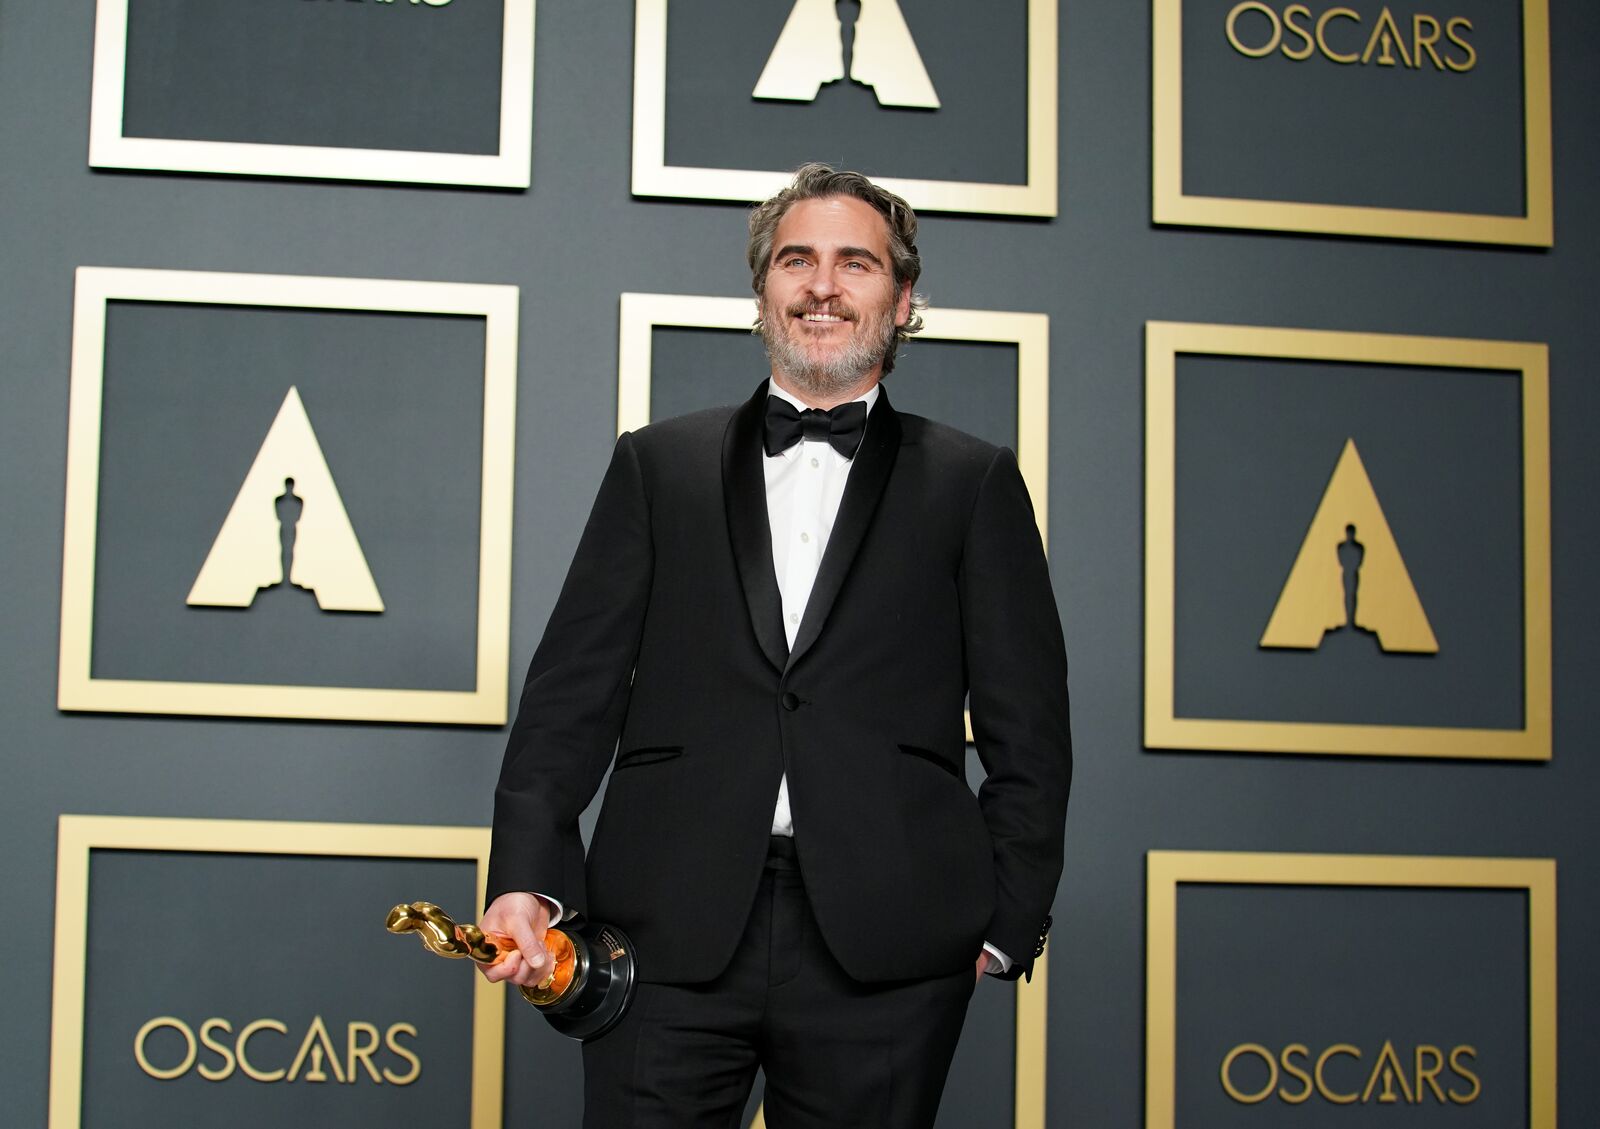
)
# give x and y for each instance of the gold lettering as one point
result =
(1322, 33)
(1455, 1064)
(177, 1025)
(391, 1039)
(362, 1052)
(1386, 28)
(1388, 1056)
(1472, 55)
(223, 1051)
(316, 1036)
(244, 1038)
(1294, 1071)
(1272, 1073)
(1428, 1074)
(1233, 33)
(1298, 53)
(1322, 1082)
(1421, 42)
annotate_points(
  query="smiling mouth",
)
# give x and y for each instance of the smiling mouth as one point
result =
(819, 317)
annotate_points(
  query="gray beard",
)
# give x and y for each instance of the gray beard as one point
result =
(822, 379)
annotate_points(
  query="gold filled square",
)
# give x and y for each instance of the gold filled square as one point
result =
(80, 689)
(1172, 205)
(79, 836)
(1030, 333)
(652, 176)
(1163, 727)
(509, 167)
(1167, 870)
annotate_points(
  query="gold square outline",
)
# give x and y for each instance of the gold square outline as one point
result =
(1165, 870)
(1030, 333)
(1162, 728)
(79, 690)
(1170, 205)
(652, 176)
(77, 836)
(510, 167)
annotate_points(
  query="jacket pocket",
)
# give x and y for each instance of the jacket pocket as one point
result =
(648, 754)
(935, 759)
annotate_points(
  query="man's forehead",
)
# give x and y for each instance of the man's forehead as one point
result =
(833, 221)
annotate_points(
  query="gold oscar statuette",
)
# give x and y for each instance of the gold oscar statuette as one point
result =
(583, 998)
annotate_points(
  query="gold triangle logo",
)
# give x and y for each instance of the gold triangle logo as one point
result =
(288, 507)
(809, 54)
(1350, 573)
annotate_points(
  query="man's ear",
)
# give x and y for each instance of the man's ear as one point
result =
(902, 307)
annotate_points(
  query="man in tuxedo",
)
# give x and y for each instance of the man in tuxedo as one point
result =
(774, 619)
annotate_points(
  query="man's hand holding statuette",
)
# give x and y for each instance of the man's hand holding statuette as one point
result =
(524, 918)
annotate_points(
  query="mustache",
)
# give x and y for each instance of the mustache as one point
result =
(831, 309)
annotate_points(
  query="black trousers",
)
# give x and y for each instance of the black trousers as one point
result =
(836, 1053)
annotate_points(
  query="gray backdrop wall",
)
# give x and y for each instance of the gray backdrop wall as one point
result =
(573, 243)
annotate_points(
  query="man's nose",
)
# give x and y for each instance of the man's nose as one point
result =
(822, 284)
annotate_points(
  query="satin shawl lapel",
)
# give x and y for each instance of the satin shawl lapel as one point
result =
(744, 494)
(868, 477)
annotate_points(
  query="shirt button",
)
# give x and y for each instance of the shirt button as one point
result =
(815, 463)
(790, 701)
(794, 617)
(805, 538)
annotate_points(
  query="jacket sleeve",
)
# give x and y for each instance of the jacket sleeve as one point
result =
(1017, 682)
(575, 696)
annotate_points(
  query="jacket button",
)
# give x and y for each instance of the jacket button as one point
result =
(790, 701)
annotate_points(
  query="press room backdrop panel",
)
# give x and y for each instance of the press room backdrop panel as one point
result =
(1433, 1002)
(576, 240)
(384, 393)
(1400, 120)
(1446, 449)
(293, 89)
(969, 52)
(228, 1011)
(1282, 128)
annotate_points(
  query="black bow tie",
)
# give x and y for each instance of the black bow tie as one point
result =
(786, 425)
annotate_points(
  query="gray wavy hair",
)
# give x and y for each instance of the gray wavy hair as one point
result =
(817, 181)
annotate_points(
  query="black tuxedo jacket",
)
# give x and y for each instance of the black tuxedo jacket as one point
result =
(666, 647)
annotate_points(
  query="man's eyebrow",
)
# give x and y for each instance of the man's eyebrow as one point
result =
(859, 253)
(811, 252)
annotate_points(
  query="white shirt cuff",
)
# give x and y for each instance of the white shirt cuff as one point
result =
(1000, 964)
(558, 911)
